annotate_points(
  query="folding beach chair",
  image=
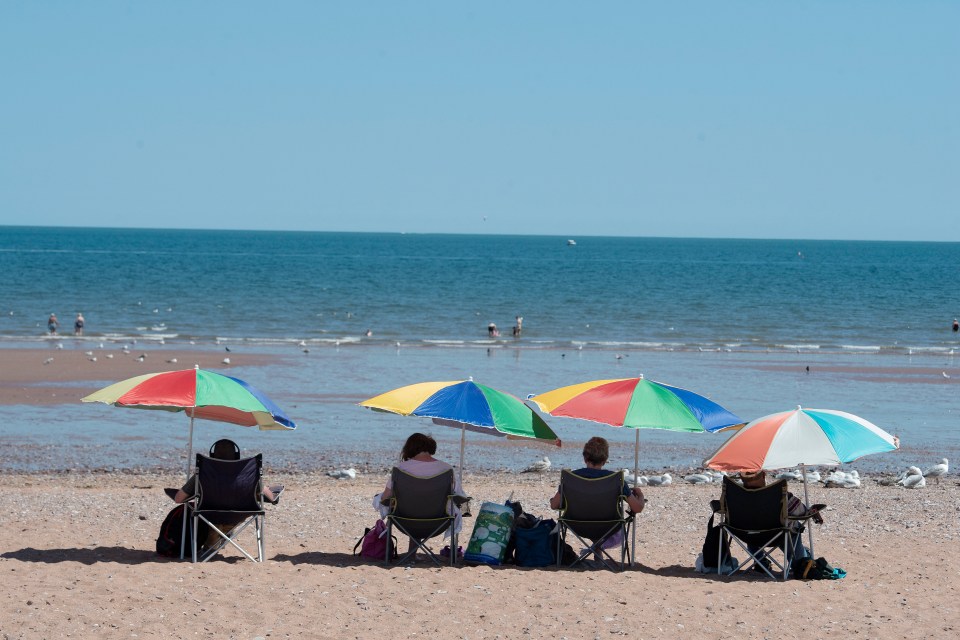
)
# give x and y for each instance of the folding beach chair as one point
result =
(228, 499)
(758, 518)
(421, 509)
(593, 510)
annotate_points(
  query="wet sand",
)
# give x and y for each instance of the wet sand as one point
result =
(77, 556)
(60, 376)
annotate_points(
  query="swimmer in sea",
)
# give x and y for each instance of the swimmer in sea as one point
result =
(956, 325)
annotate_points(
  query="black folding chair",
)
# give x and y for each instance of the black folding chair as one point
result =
(593, 510)
(421, 508)
(758, 518)
(229, 498)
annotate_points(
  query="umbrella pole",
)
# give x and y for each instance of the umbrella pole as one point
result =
(183, 529)
(463, 441)
(636, 480)
(806, 501)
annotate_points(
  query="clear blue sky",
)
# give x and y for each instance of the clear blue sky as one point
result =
(708, 119)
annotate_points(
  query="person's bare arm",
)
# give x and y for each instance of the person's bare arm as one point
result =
(555, 501)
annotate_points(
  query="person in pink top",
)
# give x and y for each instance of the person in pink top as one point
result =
(417, 459)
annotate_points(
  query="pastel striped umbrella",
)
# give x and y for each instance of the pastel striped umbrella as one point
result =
(810, 437)
(467, 405)
(202, 394)
(802, 437)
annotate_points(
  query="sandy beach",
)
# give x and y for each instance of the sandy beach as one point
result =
(78, 555)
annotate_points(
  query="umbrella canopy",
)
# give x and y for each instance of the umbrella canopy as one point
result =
(465, 404)
(637, 403)
(811, 437)
(200, 394)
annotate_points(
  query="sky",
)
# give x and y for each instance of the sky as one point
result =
(772, 119)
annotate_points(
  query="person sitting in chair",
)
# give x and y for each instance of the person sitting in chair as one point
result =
(416, 458)
(595, 454)
(221, 450)
(795, 508)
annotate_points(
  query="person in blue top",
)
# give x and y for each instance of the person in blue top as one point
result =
(595, 454)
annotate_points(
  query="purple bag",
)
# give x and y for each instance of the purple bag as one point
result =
(373, 543)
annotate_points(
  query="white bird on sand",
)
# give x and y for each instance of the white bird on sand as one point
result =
(812, 475)
(59, 345)
(226, 361)
(914, 479)
(88, 353)
(343, 474)
(141, 357)
(539, 466)
(698, 478)
(629, 478)
(92, 358)
(48, 361)
(843, 480)
(172, 361)
(790, 475)
(938, 470)
(660, 481)
(110, 356)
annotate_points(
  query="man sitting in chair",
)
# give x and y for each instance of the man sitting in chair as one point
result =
(795, 508)
(221, 450)
(595, 454)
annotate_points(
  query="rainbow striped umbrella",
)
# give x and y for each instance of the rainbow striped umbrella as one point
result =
(467, 405)
(200, 394)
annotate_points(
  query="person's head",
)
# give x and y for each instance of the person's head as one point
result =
(596, 451)
(754, 479)
(416, 444)
(225, 450)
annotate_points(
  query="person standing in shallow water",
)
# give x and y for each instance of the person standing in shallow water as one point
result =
(956, 325)
(78, 325)
(52, 324)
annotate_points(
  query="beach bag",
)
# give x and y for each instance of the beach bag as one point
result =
(716, 538)
(535, 546)
(819, 569)
(372, 544)
(168, 542)
(491, 534)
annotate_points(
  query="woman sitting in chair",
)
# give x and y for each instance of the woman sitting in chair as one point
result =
(595, 455)
(417, 459)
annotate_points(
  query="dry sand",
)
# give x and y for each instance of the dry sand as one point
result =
(77, 560)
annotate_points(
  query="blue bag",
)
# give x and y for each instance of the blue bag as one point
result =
(535, 547)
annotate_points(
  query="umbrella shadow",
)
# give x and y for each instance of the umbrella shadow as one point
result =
(89, 556)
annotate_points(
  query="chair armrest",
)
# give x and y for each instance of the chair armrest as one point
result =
(460, 500)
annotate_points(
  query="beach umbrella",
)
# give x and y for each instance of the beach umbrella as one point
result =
(468, 406)
(802, 437)
(637, 403)
(200, 394)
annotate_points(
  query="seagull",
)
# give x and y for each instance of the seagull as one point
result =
(913, 480)
(88, 353)
(226, 361)
(790, 475)
(539, 466)
(110, 356)
(813, 475)
(660, 481)
(141, 357)
(843, 480)
(302, 343)
(698, 478)
(343, 474)
(306, 350)
(945, 374)
(227, 348)
(938, 470)
(59, 345)
(172, 361)
(48, 361)
(92, 358)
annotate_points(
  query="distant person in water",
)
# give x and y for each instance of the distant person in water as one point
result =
(52, 324)
(78, 325)
(956, 325)
(518, 328)
(492, 330)
(369, 333)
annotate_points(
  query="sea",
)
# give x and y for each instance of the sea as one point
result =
(758, 326)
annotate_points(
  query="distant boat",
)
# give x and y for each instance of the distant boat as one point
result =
(571, 243)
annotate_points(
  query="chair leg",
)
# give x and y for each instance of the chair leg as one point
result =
(259, 526)
(194, 536)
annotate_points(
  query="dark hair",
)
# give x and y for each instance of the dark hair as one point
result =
(418, 443)
(225, 450)
(596, 451)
